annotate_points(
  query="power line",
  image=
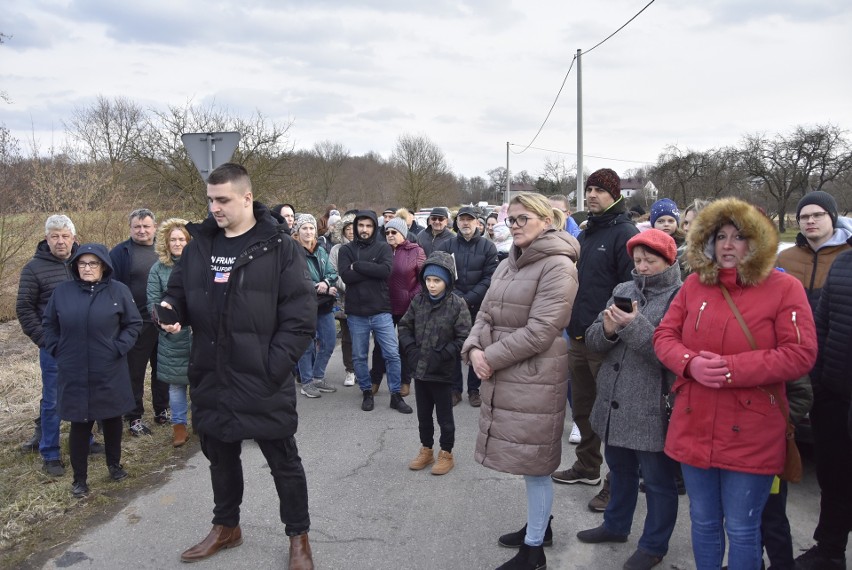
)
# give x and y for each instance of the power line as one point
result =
(585, 155)
(556, 99)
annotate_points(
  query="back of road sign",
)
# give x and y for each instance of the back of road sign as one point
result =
(210, 150)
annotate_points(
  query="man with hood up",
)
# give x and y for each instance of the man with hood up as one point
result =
(365, 264)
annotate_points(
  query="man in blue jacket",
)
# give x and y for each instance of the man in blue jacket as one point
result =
(243, 286)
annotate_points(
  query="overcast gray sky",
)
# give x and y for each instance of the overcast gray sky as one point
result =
(470, 75)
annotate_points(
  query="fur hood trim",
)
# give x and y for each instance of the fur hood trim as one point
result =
(752, 224)
(337, 230)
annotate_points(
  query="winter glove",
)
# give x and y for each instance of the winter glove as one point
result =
(709, 369)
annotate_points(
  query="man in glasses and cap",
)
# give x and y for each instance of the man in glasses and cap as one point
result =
(437, 233)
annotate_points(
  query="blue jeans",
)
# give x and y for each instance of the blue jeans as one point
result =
(48, 446)
(177, 403)
(539, 505)
(381, 326)
(660, 494)
(717, 497)
(312, 364)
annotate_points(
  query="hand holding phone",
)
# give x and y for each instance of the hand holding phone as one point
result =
(163, 315)
(624, 303)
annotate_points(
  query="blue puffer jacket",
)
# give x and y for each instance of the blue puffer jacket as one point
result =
(89, 328)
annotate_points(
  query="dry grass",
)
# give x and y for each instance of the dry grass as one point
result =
(37, 512)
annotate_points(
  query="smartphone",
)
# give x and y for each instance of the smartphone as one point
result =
(164, 315)
(624, 303)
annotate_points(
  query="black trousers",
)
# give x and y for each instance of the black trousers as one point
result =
(226, 476)
(436, 396)
(377, 367)
(78, 445)
(143, 351)
(473, 381)
(775, 531)
(833, 450)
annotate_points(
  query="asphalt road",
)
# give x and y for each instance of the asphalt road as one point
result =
(369, 511)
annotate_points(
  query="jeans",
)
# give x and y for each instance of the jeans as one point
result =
(437, 396)
(381, 326)
(660, 494)
(177, 403)
(313, 362)
(78, 445)
(539, 505)
(833, 451)
(583, 365)
(775, 529)
(717, 497)
(48, 446)
(377, 369)
(143, 351)
(226, 476)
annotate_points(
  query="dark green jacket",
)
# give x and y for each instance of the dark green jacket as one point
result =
(172, 349)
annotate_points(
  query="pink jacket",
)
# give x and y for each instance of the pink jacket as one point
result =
(403, 283)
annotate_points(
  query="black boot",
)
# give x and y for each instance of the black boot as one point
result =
(516, 539)
(527, 558)
(398, 404)
(31, 445)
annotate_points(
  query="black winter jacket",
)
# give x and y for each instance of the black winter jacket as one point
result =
(830, 376)
(89, 328)
(431, 242)
(242, 360)
(603, 264)
(365, 265)
(431, 334)
(39, 278)
(476, 261)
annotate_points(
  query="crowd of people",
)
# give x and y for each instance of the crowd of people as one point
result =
(684, 346)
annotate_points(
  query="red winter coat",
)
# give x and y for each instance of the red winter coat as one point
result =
(739, 427)
(404, 282)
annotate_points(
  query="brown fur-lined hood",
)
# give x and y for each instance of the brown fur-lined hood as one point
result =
(337, 230)
(753, 225)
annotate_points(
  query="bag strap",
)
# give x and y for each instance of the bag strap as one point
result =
(771, 391)
(663, 369)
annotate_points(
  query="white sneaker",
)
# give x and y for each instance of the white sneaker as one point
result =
(575, 434)
(350, 379)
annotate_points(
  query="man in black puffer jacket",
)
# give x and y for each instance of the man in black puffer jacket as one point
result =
(365, 264)
(476, 261)
(39, 277)
(243, 286)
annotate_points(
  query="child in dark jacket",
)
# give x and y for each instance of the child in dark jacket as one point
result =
(431, 334)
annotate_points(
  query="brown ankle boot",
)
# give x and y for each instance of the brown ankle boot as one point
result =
(220, 537)
(180, 435)
(404, 389)
(444, 463)
(376, 388)
(300, 553)
(425, 457)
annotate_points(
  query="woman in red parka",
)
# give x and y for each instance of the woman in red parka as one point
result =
(403, 286)
(728, 425)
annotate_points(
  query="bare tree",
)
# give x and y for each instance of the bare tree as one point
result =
(423, 171)
(800, 162)
(330, 158)
(562, 179)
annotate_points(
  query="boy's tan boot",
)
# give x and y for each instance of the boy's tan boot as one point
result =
(444, 463)
(424, 458)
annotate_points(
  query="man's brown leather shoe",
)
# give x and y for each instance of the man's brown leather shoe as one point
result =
(220, 537)
(300, 553)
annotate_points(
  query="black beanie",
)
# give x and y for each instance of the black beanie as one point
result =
(822, 199)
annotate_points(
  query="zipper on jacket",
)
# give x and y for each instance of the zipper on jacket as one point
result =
(700, 311)
(796, 326)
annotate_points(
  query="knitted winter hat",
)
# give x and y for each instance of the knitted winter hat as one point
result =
(433, 270)
(657, 241)
(389, 211)
(333, 219)
(608, 180)
(302, 220)
(399, 225)
(664, 207)
(822, 199)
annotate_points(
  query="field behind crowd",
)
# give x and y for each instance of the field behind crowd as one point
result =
(37, 512)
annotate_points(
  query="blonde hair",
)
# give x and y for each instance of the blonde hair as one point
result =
(163, 232)
(539, 205)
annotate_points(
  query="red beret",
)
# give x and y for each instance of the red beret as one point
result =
(657, 241)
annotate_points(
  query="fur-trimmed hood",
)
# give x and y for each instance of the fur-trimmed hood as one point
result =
(752, 224)
(161, 244)
(337, 230)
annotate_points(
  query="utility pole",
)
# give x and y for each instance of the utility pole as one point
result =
(508, 176)
(580, 181)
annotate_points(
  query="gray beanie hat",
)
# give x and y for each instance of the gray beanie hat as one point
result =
(302, 220)
(399, 225)
(822, 199)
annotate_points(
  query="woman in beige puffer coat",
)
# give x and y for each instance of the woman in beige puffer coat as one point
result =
(517, 349)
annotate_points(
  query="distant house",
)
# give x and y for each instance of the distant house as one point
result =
(631, 186)
(519, 187)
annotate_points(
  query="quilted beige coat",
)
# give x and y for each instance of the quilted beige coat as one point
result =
(519, 326)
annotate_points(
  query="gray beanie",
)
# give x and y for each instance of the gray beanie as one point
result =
(399, 225)
(302, 220)
(822, 199)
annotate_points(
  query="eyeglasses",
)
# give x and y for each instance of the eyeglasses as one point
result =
(391, 232)
(91, 264)
(520, 220)
(805, 218)
(436, 218)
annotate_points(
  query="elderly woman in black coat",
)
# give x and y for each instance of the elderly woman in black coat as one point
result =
(90, 324)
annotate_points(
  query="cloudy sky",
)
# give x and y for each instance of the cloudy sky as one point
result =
(470, 75)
